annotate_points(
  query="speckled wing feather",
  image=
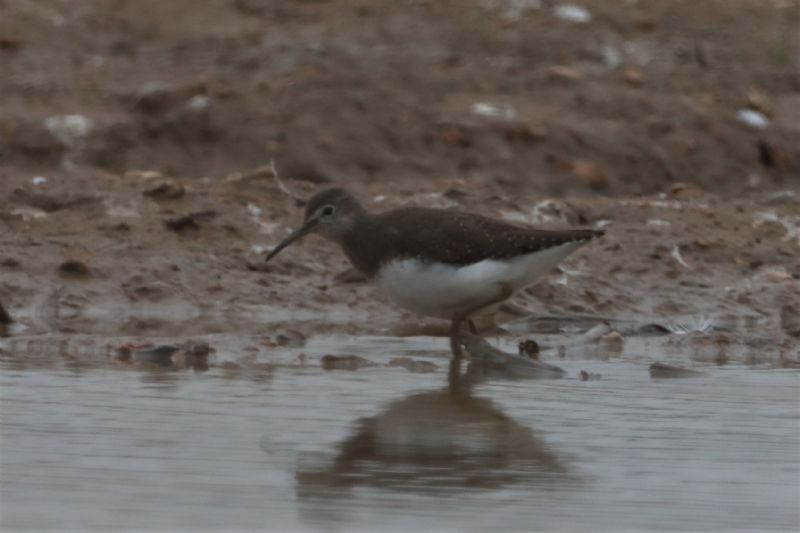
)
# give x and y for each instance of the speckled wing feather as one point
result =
(464, 238)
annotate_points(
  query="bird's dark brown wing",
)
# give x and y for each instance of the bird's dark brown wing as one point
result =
(464, 238)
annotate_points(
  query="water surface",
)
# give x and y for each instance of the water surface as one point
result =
(108, 448)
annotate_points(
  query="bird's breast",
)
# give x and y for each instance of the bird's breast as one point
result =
(442, 290)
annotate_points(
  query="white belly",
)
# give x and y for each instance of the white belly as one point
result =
(440, 290)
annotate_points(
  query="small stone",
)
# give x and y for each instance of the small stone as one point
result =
(664, 371)
(686, 190)
(633, 76)
(74, 268)
(777, 275)
(158, 97)
(591, 173)
(189, 221)
(159, 355)
(416, 366)
(552, 211)
(165, 189)
(198, 102)
(10, 262)
(69, 129)
(290, 338)
(52, 202)
(10, 44)
(573, 13)
(529, 348)
(344, 362)
(563, 73)
(658, 223)
(613, 342)
(492, 110)
(5, 318)
(753, 119)
(588, 376)
(790, 320)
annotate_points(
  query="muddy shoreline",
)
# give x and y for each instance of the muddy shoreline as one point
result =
(723, 266)
(137, 197)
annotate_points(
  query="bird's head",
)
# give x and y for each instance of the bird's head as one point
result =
(331, 213)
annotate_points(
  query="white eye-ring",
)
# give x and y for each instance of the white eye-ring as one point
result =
(327, 210)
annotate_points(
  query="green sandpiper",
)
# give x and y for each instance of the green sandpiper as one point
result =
(435, 262)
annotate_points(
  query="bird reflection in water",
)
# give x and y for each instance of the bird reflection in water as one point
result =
(442, 441)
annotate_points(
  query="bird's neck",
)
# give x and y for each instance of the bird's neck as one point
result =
(363, 244)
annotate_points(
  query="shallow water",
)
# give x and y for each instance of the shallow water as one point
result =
(293, 448)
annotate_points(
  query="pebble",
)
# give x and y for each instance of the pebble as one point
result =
(187, 355)
(74, 268)
(633, 76)
(189, 221)
(588, 376)
(69, 129)
(552, 211)
(790, 320)
(344, 362)
(529, 348)
(413, 365)
(664, 371)
(563, 73)
(753, 119)
(487, 109)
(591, 173)
(5, 318)
(573, 13)
(165, 189)
(613, 342)
(290, 338)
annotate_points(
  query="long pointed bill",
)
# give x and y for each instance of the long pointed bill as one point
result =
(297, 234)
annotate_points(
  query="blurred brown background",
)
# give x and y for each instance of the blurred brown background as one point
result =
(136, 195)
(615, 96)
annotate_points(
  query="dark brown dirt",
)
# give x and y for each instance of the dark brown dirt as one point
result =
(152, 120)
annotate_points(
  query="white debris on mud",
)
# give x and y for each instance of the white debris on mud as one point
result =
(573, 13)
(754, 119)
(69, 129)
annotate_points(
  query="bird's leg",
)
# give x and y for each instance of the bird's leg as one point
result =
(455, 340)
(455, 326)
(454, 373)
(454, 376)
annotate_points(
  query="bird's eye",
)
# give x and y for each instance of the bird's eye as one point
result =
(327, 210)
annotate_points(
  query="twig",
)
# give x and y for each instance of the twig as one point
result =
(676, 254)
(282, 186)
